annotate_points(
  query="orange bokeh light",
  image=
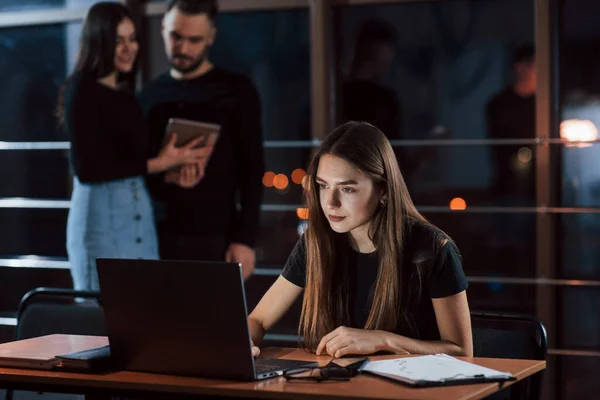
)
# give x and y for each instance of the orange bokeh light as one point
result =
(280, 181)
(458, 204)
(268, 179)
(298, 175)
(302, 213)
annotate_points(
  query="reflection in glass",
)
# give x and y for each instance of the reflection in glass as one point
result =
(362, 97)
(580, 162)
(427, 70)
(511, 114)
(579, 95)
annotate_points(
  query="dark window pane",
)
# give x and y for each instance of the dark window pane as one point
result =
(577, 377)
(33, 67)
(579, 92)
(579, 318)
(579, 239)
(492, 244)
(579, 59)
(35, 173)
(272, 49)
(19, 281)
(501, 297)
(278, 233)
(33, 231)
(428, 69)
(480, 175)
(580, 185)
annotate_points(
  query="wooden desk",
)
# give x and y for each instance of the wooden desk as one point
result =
(143, 384)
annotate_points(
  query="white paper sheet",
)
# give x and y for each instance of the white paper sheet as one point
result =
(432, 368)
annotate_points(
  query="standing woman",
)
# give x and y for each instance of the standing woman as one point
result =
(111, 213)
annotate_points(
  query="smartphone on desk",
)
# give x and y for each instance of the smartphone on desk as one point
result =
(188, 130)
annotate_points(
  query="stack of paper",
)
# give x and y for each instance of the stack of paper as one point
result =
(434, 370)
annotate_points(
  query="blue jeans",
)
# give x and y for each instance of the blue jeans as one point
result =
(108, 220)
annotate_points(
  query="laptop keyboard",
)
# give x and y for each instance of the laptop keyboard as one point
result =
(262, 368)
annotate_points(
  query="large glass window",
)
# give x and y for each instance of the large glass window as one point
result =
(33, 65)
(432, 78)
(577, 181)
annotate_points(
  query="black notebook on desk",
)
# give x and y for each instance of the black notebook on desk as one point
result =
(435, 370)
(92, 360)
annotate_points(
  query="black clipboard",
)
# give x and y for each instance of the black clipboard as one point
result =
(444, 382)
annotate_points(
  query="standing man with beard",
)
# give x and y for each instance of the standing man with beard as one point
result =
(196, 206)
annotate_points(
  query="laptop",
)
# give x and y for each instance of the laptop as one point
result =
(181, 318)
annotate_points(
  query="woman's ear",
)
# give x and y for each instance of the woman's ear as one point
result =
(383, 197)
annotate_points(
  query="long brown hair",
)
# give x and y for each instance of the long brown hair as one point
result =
(96, 56)
(324, 307)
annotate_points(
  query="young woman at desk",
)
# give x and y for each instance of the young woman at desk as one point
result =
(376, 275)
(111, 213)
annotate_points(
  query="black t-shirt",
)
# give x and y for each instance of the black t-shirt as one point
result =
(236, 166)
(442, 276)
(107, 130)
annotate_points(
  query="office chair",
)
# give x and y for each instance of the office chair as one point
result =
(511, 335)
(46, 311)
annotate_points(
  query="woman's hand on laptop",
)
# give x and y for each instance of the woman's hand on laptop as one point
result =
(255, 349)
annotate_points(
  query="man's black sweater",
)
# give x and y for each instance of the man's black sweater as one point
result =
(234, 172)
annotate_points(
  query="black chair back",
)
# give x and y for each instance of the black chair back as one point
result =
(511, 335)
(46, 311)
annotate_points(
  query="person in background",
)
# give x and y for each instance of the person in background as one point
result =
(111, 214)
(511, 115)
(203, 222)
(374, 274)
(363, 96)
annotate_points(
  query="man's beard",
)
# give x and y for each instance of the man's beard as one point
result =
(192, 66)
